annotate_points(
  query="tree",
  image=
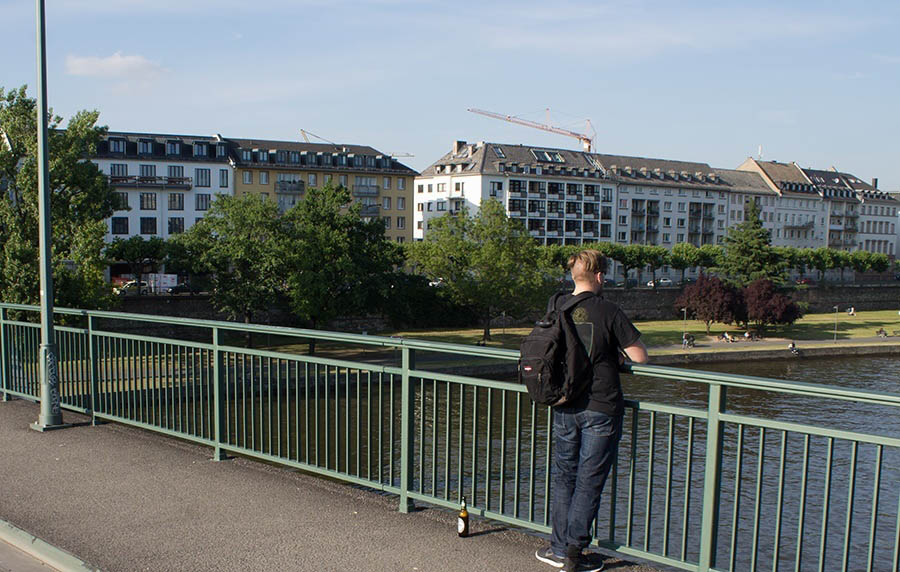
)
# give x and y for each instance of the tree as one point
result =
(766, 306)
(709, 256)
(334, 262)
(240, 241)
(137, 253)
(630, 256)
(822, 259)
(684, 255)
(842, 261)
(710, 300)
(861, 261)
(655, 257)
(748, 253)
(80, 201)
(488, 262)
(880, 262)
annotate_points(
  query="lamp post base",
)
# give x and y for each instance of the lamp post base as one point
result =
(44, 427)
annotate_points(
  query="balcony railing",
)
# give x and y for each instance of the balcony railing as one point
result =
(289, 186)
(150, 182)
(369, 210)
(365, 190)
(800, 225)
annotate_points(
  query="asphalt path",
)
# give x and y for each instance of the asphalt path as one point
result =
(124, 499)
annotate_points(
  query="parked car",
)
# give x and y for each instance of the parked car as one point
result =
(660, 282)
(804, 280)
(131, 287)
(632, 282)
(182, 288)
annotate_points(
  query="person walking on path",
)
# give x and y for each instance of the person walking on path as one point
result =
(588, 428)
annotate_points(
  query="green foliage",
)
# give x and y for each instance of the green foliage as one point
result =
(879, 262)
(655, 257)
(709, 256)
(822, 259)
(137, 253)
(684, 255)
(240, 240)
(764, 305)
(710, 300)
(487, 262)
(80, 200)
(630, 256)
(748, 253)
(334, 262)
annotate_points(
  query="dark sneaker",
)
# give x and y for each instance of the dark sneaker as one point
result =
(547, 556)
(586, 562)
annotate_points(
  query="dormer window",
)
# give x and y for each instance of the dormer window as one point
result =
(246, 155)
(220, 150)
(200, 149)
(281, 157)
(262, 156)
(116, 145)
(173, 148)
(499, 152)
(294, 157)
(370, 161)
(145, 147)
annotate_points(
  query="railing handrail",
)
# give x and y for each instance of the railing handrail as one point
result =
(679, 374)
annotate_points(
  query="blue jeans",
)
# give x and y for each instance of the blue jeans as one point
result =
(586, 445)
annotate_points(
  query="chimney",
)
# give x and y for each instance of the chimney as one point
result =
(875, 182)
(457, 146)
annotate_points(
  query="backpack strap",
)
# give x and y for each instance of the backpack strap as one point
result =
(575, 300)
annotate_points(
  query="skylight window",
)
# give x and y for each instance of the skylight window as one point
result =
(499, 152)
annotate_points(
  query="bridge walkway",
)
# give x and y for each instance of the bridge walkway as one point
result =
(120, 498)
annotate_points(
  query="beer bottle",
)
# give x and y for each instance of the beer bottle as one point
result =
(462, 523)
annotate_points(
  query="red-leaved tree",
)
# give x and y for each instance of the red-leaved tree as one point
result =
(710, 300)
(766, 306)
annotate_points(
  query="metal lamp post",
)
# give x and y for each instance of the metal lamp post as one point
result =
(684, 323)
(835, 323)
(51, 414)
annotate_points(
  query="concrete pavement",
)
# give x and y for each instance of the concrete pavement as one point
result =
(122, 499)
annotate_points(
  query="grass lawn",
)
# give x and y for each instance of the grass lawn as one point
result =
(810, 328)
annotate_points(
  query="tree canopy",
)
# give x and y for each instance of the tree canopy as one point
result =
(80, 201)
(487, 262)
(748, 253)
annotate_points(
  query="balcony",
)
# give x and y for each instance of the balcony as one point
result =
(289, 186)
(573, 196)
(591, 234)
(537, 194)
(573, 215)
(851, 214)
(638, 227)
(638, 212)
(591, 216)
(150, 182)
(536, 233)
(365, 190)
(537, 213)
(555, 214)
(652, 212)
(851, 228)
(800, 225)
(370, 210)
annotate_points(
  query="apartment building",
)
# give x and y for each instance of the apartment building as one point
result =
(283, 170)
(164, 183)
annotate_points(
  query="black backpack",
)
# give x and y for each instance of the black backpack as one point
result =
(553, 362)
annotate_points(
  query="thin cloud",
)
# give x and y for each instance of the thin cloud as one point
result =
(116, 66)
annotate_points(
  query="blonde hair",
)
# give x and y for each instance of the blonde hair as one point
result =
(592, 261)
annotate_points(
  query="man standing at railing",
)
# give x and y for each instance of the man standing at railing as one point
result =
(587, 429)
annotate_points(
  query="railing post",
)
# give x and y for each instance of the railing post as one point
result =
(4, 358)
(712, 478)
(218, 398)
(407, 417)
(95, 370)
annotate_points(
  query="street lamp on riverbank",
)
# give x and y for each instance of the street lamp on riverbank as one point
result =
(835, 323)
(684, 324)
(51, 413)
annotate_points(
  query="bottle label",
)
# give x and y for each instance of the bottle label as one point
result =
(460, 525)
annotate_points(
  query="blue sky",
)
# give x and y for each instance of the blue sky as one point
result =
(812, 82)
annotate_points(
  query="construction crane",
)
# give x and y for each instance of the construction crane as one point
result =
(586, 140)
(306, 135)
(395, 155)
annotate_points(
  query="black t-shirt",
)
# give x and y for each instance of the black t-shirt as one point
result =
(604, 329)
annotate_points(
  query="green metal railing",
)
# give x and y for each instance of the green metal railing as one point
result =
(695, 488)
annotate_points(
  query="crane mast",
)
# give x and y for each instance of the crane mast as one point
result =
(586, 140)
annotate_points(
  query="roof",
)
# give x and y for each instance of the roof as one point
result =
(744, 181)
(311, 148)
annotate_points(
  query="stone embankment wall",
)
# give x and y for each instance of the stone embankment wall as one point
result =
(639, 303)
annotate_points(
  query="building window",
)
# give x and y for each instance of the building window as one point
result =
(667, 237)
(386, 203)
(148, 225)
(148, 203)
(326, 179)
(387, 183)
(200, 150)
(176, 172)
(496, 188)
(223, 178)
(202, 177)
(148, 171)
(401, 222)
(420, 207)
(173, 148)
(418, 225)
(119, 225)
(118, 170)
(401, 203)
(246, 155)
(430, 188)
(623, 219)
(421, 188)
(441, 187)
(262, 156)
(311, 180)
(460, 186)
(202, 201)
(401, 184)
(176, 225)
(220, 150)
(247, 177)
(116, 145)
(120, 201)
(387, 222)
(176, 201)
(145, 147)
(441, 205)
(263, 177)
(623, 203)
(343, 180)
(621, 236)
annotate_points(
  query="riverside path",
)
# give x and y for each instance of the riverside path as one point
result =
(120, 498)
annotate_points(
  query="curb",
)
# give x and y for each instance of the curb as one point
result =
(43, 551)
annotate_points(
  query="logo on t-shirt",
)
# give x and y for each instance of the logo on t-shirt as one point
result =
(579, 315)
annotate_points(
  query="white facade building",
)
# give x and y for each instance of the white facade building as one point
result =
(165, 183)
